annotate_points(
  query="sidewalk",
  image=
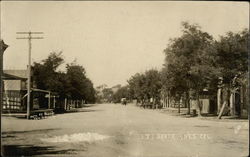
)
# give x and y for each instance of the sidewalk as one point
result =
(212, 117)
(174, 110)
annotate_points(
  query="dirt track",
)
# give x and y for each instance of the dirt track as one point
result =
(130, 132)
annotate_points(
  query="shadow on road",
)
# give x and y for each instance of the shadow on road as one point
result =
(85, 108)
(28, 131)
(77, 111)
(29, 150)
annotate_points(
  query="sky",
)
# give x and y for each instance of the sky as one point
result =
(111, 40)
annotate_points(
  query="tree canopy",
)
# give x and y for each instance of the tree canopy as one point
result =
(188, 62)
(232, 55)
(145, 85)
(72, 84)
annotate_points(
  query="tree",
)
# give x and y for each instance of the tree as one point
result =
(232, 55)
(45, 74)
(145, 86)
(70, 84)
(122, 92)
(153, 83)
(188, 63)
(80, 86)
(107, 94)
(232, 61)
(99, 92)
(136, 86)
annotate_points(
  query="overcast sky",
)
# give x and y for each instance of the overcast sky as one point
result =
(112, 40)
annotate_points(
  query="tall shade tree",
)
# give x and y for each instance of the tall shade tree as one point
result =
(70, 84)
(136, 86)
(80, 86)
(231, 52)
(45, 74)
(232, 55)
(188, 66)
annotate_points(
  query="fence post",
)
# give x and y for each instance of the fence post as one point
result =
(65, 104)
(54, 102)
(49, 101)
(70, 103)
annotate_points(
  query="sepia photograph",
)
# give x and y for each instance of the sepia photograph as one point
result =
(124, 78)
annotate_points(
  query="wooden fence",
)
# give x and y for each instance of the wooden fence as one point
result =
(68, 104)
(12, 101)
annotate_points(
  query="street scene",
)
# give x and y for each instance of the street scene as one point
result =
(124, 79)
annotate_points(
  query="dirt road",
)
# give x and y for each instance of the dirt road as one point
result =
(113, 130)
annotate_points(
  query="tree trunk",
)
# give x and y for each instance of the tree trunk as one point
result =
(65, 104)
(219, 104)
(179, 107)
(198, 107)
(187, 103)
(222, 110)
(225, 99)
(232, 103)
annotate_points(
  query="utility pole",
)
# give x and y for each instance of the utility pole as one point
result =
(29, 64)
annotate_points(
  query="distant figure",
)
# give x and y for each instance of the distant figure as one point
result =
(124, 101)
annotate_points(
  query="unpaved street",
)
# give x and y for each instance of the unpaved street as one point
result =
(113, 130)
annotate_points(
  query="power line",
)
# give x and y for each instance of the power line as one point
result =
(29, 32)
(29, 64)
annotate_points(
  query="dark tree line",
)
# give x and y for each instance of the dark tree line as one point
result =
(72, 83)
(145, 85)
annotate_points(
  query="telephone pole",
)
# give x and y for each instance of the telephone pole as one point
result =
(29, 64)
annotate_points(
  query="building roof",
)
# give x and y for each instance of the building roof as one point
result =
(17, 73)
(12, 77)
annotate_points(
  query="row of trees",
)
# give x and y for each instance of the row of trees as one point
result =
(140, 86)
(113, 94)
(72, 84)
(145, 86)
(195, 62)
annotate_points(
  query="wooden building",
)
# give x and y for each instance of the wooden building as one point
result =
(15, 93)
(14, 90)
